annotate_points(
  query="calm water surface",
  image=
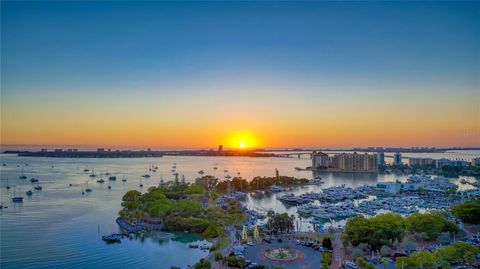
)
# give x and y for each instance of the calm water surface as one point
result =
(58, 227)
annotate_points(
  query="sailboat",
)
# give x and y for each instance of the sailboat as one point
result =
(38, 187)
(146, 175)
(141, 184)
(15, 198)
(101, 179)
(93, 173)
(23, 176)
(8, 186)
(88, 189)
(124, 179)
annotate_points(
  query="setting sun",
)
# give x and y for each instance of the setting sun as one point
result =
(242, 140)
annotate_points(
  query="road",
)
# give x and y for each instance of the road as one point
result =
(337, 256)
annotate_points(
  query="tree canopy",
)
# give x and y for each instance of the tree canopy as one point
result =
(376, 232)
(458, 252)
(280, 223)
(468, 212)
(432, 224)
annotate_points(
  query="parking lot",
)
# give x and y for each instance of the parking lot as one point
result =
(309, 257)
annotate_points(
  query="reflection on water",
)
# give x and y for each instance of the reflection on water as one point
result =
(58, 227)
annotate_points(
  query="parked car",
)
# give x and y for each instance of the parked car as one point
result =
(350, 265)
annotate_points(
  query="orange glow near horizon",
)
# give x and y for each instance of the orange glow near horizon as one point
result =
(243, 140)
(39, 119)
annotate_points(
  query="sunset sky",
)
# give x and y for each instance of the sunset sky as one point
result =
(266, 74)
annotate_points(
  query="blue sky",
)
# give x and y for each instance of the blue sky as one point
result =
(341, 50)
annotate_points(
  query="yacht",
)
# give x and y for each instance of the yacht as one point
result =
(292, 199)
(112, 178)
(201, 172)
(29, 193)
(275, 188)
(306, 209)
(33, 180)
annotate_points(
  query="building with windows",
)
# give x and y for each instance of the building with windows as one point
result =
(320, 161)
(381, 158)
(354, 162)
(421, 161)
(397, 158)
(396, 187)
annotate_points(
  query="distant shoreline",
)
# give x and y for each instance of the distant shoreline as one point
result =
(138, 153)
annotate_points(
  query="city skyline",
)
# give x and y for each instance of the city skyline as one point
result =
(257, 74)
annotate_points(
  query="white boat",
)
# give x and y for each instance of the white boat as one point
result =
(275, 188)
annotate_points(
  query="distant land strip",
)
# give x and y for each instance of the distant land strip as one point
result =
(138, 154)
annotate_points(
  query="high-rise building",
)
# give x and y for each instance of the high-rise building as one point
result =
(220, 148)
(320, 160)
(381, 158)
(354, 162)
(397, 158)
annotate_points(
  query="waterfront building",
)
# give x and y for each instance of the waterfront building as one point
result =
(446, 162)
(396, 187)
(476, 161)
(381, 158)
(397, 158)
(354, 162)
(320, 160)
(421, 161)
(442, 162)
